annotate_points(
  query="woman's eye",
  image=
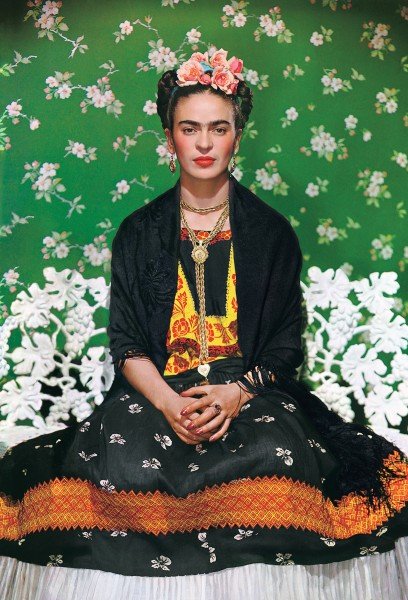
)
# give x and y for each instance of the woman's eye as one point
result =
(188, 129)
(222, 129)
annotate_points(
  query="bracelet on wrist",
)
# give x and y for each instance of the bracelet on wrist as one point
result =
(237, 408)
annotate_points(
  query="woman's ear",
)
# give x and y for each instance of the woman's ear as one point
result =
(170, 143)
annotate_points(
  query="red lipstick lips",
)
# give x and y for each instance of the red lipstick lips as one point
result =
(204, 161)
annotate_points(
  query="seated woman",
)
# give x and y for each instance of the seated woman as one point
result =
(207, 453)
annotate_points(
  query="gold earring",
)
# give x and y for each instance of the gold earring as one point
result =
(233, 165)
(172, 165)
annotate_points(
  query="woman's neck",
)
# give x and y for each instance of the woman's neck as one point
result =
(203, 193)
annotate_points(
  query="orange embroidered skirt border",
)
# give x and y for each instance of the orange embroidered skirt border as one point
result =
(264, 501)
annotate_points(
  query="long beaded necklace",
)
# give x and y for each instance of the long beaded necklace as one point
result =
(200, 255)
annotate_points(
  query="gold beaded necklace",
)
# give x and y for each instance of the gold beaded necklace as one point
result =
(200, 255)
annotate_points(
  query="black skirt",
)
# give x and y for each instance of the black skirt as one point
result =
(120, 492)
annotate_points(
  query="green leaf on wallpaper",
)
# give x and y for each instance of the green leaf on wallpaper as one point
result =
(326, 31)
(249, 132)
(285, 37)
(401, 211)
(356, 75)
(351, 224)
(275, 149)
(323, 184)
(293, 221)
(105, 224)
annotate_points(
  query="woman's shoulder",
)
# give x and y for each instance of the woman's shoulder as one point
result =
(130, 224)
(266, 214)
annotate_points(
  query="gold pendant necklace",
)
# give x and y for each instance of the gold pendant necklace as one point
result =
(200, 254)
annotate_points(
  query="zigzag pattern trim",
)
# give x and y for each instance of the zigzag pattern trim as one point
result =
(69, 503)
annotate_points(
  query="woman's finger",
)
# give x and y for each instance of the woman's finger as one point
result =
(216, 436)
(191, 432)
(199, 404)
(191, 391)
(210, 423)
(188, 434)
(188, 421)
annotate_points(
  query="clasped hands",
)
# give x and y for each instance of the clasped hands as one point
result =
(197, 421)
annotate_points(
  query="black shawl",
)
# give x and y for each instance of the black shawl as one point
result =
(268, 262)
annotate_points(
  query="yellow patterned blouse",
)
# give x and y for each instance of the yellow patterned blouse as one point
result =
(221, 305)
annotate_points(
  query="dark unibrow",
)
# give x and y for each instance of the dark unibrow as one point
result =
(196, 123)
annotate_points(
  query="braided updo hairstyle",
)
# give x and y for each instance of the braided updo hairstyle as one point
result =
(167, 101)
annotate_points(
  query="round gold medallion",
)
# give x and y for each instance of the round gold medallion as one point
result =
(199, 254)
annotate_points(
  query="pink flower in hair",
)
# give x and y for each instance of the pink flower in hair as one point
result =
(219, 58)
(205, 78)
(189, 72)
(225, 80)
(200, 56)
(216, 71)
(235, 65)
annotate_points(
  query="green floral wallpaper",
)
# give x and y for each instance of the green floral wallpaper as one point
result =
(82, 147)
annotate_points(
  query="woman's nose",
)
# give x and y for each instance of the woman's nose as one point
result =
(203, 140)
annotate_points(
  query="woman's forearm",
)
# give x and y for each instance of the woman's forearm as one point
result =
(143, 375)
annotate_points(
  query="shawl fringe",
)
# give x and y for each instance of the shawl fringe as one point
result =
(360, 452)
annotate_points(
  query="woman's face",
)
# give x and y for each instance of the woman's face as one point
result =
(203, 127)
